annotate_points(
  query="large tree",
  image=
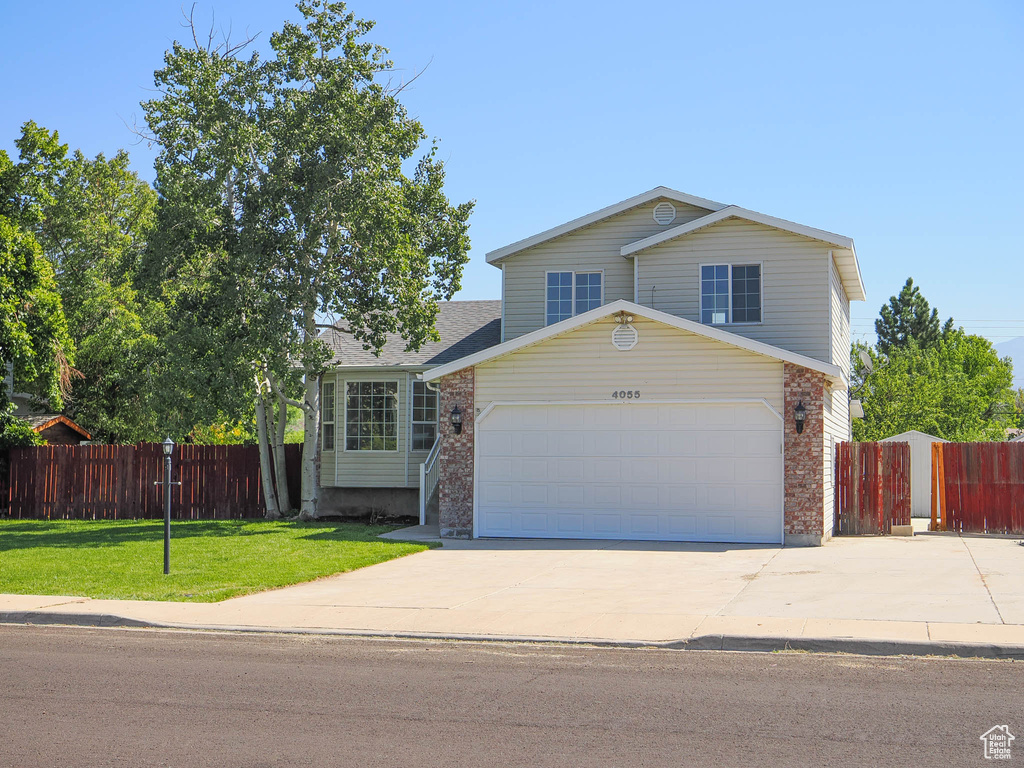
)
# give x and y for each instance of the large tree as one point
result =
(957, 389)
(908, 318)
(34, 339)
(94, 219)
(285, 189)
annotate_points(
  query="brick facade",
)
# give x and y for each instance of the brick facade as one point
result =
(455, 480)
(804, 456)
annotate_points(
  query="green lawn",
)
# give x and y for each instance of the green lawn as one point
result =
(210, 560)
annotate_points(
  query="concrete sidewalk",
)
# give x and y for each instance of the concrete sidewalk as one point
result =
(927, 594)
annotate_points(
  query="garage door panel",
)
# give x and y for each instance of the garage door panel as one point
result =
(608, 524)
(530, 493)
(606, 495)
(629, 470)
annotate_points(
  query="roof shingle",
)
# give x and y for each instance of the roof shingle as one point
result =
(465, 327)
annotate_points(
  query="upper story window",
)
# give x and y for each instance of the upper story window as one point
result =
(371, 416)
(571, 293)
(424, 416)
(730, 293)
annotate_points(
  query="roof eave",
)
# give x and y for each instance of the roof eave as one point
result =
(851, 275)
(500, 254)
(834, 374)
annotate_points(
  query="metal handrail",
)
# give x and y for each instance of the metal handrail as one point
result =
(429, 475)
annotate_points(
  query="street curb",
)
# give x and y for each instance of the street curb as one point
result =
(714, 642)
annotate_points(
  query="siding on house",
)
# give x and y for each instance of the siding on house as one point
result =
(837, 404)
(836, 430)
(667, 363)
(795, 281)
(840, 316)
(371, 469)
(596, 247)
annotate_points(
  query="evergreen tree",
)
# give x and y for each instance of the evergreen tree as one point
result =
(909, 318)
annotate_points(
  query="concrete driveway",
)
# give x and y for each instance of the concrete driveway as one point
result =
(653, 590)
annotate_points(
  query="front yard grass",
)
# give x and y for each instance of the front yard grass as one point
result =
(211, 560)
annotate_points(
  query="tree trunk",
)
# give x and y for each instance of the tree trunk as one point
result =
(311, 412)
(280, 468)
(269, 495)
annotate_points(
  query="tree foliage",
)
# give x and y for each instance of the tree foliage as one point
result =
(34, 334)
(957, 389)
(285, 207)
(93, 218)
(907, 319)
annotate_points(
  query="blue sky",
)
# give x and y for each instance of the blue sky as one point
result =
(899, 124)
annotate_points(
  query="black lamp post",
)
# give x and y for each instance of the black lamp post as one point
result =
(800, 416)
(168, 446)
(457, 420)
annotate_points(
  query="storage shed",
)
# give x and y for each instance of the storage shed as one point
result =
(920, 469)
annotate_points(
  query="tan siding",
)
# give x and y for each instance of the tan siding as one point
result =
(840, 308)
(836, 430)
(370, 469)
(666, 364)
(795, 281)
(589, 249)
(837, 419)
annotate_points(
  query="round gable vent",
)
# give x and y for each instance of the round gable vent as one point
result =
(664, 213)
(624, 337)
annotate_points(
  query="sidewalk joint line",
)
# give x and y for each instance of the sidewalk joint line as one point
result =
(984, 581)
(749, 582)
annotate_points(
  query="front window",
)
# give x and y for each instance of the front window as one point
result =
(371, 416)
(424, 416)
(730, 293)
(572, 293)
(327, 414)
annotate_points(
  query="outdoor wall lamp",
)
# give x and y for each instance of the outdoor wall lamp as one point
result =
(457, 420)
(800, 416)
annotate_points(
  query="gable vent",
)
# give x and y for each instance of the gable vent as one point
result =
(624, 337)
(664, 213)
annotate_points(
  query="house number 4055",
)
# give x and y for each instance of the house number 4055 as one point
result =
(627, 394)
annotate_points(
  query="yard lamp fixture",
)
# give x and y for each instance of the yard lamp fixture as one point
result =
(800, 416)
(168, 448)
(457, 420)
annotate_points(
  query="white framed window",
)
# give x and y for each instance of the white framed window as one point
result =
(572, 293)
(371, 416)
(730, 293)
(424, 416)
(327, 408)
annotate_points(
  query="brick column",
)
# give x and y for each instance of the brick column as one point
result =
(455, 479)
(804, 457)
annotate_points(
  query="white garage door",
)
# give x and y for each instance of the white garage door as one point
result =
(662, 472)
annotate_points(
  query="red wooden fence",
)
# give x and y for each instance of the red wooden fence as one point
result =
(116, 481)
(872, 487)
(978, 487)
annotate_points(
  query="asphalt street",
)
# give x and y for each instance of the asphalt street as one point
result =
(103, 697)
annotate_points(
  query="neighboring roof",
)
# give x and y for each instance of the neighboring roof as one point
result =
(604, 213)
(902, 437)
(834, 372)
(465, 327)
(1015, 435)
(41, 421)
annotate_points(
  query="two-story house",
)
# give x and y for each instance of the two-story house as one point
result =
(668, 368)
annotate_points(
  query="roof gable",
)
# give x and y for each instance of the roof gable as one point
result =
(834, 373)
(846, 259)
(500, 254)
